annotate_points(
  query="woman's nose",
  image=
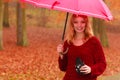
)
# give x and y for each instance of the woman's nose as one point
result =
(79, 24)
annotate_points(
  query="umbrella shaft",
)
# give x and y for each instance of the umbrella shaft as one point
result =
(65, 26)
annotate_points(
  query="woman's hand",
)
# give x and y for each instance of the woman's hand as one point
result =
(60, 48)
(85, 69)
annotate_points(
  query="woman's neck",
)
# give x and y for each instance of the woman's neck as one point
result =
(78, 39)
(79, 36)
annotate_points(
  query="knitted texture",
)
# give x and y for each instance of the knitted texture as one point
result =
(90, 52)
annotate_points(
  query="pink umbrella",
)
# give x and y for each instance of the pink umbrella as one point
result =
(94, 8)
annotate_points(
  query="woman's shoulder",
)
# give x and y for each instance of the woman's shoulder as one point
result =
(66, 42)
(95, 40)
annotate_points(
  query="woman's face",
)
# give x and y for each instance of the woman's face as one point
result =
(79, 24)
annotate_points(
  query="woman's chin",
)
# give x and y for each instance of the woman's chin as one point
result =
(79, 31)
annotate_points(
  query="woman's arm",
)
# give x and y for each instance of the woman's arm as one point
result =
(62, 60)
(99, 59)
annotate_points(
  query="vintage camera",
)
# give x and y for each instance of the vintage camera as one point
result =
(79, 64)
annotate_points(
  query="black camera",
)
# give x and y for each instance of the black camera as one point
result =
(79, 64)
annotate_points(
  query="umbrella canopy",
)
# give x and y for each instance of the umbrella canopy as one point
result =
(94, 8)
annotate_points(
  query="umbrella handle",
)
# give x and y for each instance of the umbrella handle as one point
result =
(65, 26)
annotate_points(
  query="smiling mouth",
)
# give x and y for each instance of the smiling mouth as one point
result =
(79, 28)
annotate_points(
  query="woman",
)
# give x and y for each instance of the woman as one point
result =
(81, 43)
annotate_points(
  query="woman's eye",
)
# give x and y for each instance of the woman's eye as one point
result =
(82, 21)
(75, 22)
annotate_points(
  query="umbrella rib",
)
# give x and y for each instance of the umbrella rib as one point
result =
(106, 10)
(77, 12)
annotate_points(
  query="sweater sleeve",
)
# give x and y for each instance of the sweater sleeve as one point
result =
(99, 59)
(63, 62)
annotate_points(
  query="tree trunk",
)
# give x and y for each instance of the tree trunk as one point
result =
(6, 15)
(1, 24)
(103, 34)
(100, 32)
(21, 27)
(95, 27)
(43, 17)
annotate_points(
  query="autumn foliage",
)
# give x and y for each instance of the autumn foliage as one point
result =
(39, 59)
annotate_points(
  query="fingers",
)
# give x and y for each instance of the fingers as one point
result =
(85, 69)
(60, 48)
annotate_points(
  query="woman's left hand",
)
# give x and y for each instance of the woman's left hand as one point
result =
(85, 69)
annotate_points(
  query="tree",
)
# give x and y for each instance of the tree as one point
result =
(100, 31)
(43, 17)
(21, 27)
(6, 14)
(95, 26)
(1, 24)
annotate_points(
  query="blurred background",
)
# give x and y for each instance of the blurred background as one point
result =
(30, 35)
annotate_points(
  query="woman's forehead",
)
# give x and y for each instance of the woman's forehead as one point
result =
(79, 19)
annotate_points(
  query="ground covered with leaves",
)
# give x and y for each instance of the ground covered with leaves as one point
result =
(38, 60)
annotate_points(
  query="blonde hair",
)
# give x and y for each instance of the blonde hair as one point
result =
(70, 33)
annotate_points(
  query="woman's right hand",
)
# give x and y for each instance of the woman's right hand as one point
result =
(60, 48)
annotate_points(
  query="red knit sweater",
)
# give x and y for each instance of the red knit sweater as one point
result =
(90, 52)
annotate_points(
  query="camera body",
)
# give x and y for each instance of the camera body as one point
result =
(79, 64)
